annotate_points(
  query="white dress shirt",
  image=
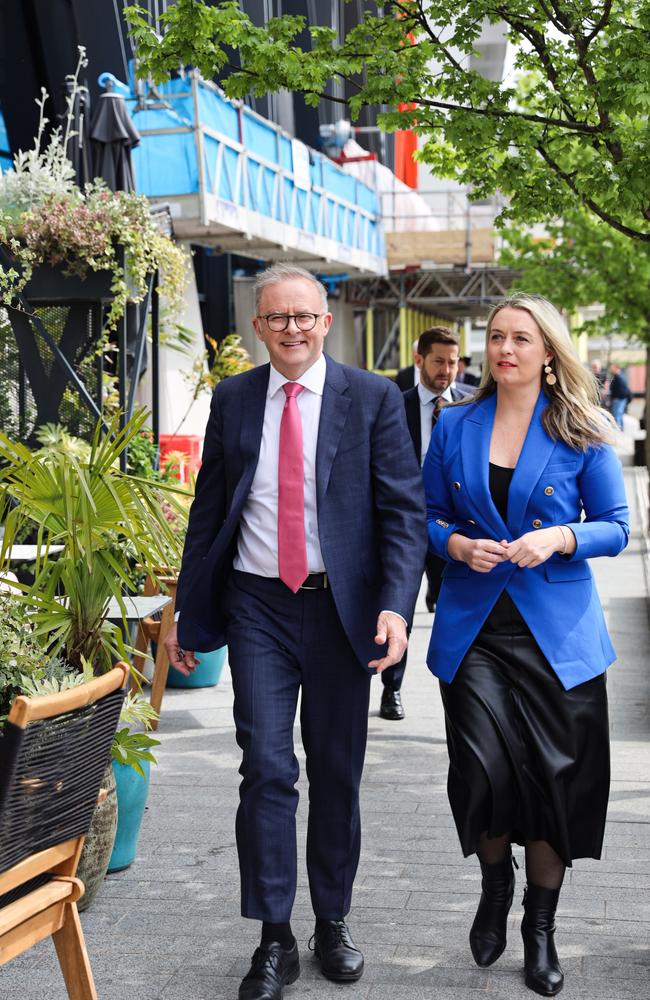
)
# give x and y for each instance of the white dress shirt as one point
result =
(427, 400)
(257, 547)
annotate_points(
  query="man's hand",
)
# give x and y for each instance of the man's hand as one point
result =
(181, 659)
(391, 629)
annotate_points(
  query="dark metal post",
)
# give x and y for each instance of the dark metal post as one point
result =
(22, 400)
(155, 365)
(122, 365)
(139, 347)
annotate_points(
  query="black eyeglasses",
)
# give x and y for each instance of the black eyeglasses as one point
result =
(278, 322)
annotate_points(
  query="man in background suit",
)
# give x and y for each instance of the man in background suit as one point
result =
(305, 545)
(407, 377)
(463, 376)
(436, 357)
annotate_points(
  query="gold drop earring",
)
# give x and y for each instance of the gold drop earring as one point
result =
(551, 379)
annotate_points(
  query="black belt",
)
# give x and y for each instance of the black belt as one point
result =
(315, 581)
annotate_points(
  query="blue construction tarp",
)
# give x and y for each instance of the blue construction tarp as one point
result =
(248, 162)
(5, 149)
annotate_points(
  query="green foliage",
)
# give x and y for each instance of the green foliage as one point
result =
(581, 260)
(229, 357)
(23, 656)
(93, 510)
(46, 218)
(131, 748)
(56, 676)
(569, 130)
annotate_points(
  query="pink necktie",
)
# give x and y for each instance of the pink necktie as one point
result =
(292, 549)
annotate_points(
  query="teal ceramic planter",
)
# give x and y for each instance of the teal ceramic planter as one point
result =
(132, 791)
(207, 674)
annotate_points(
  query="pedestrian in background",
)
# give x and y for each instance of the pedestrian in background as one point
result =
(519, 640)
(436, 361)
(408, 377)
(619, 394)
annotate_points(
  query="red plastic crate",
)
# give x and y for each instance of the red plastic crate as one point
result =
(190, 445)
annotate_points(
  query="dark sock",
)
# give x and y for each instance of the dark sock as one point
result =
(281, 933)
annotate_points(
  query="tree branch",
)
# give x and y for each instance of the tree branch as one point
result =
(423, 21)
(600, 23)
(550, 17)
(588, 202)
(538, 42)
(581, 127)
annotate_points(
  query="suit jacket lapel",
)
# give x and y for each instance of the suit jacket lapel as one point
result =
(534, 456)
(475, 456)
(251, 416)
(333, 415)
(412, 406)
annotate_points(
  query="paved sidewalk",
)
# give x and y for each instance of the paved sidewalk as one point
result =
(169, 927)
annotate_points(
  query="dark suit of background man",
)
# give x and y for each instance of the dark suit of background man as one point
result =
(436, 358)
(407, 377)
(305, 546)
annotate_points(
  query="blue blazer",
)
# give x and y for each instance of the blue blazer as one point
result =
(552, 484)
(371, 518)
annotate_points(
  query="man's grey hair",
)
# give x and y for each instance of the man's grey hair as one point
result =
(285, 272)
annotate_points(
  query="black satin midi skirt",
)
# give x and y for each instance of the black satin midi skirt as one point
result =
(526, 757)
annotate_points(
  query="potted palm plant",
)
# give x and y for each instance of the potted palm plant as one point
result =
(77, 499)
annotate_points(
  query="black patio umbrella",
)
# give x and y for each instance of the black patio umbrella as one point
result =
(113, 135)
(78, 149)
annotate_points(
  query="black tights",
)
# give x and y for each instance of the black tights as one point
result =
(544, 867)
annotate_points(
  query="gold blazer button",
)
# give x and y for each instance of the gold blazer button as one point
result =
(456, 486)
(469, 521)
(537, 523)
(443, 524)
(549, 491)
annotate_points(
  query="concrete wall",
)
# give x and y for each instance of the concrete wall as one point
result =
(175, 393)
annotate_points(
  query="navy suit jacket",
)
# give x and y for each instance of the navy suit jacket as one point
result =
(552, 484)
(371, 518)
(412, 406)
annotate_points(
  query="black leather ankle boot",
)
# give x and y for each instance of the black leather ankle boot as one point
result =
(541, 964)
(487, 938)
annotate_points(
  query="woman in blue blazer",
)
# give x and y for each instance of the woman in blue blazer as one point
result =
(522, 488)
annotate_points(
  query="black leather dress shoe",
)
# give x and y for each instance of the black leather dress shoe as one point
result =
(340, 960)
(272, 968)
(391, 705)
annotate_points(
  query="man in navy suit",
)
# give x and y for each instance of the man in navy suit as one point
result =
(436, 359)
(304, 549)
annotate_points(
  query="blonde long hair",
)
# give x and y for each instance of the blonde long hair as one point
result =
(574, 414)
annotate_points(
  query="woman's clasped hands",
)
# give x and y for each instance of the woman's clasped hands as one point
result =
(529, 550)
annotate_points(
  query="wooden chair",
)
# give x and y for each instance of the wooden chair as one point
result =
(53, 755)
(155, 630)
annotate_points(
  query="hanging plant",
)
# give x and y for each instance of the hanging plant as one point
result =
(45, 218)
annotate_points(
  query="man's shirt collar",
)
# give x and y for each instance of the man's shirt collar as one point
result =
(313, 379)
(426, 395)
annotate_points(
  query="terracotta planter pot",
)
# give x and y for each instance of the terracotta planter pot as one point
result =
(98, 846)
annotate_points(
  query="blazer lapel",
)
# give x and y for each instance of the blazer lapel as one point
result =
(333, 415)
(475, 456)
(251, 415)
(534, 457)
(412, 407)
